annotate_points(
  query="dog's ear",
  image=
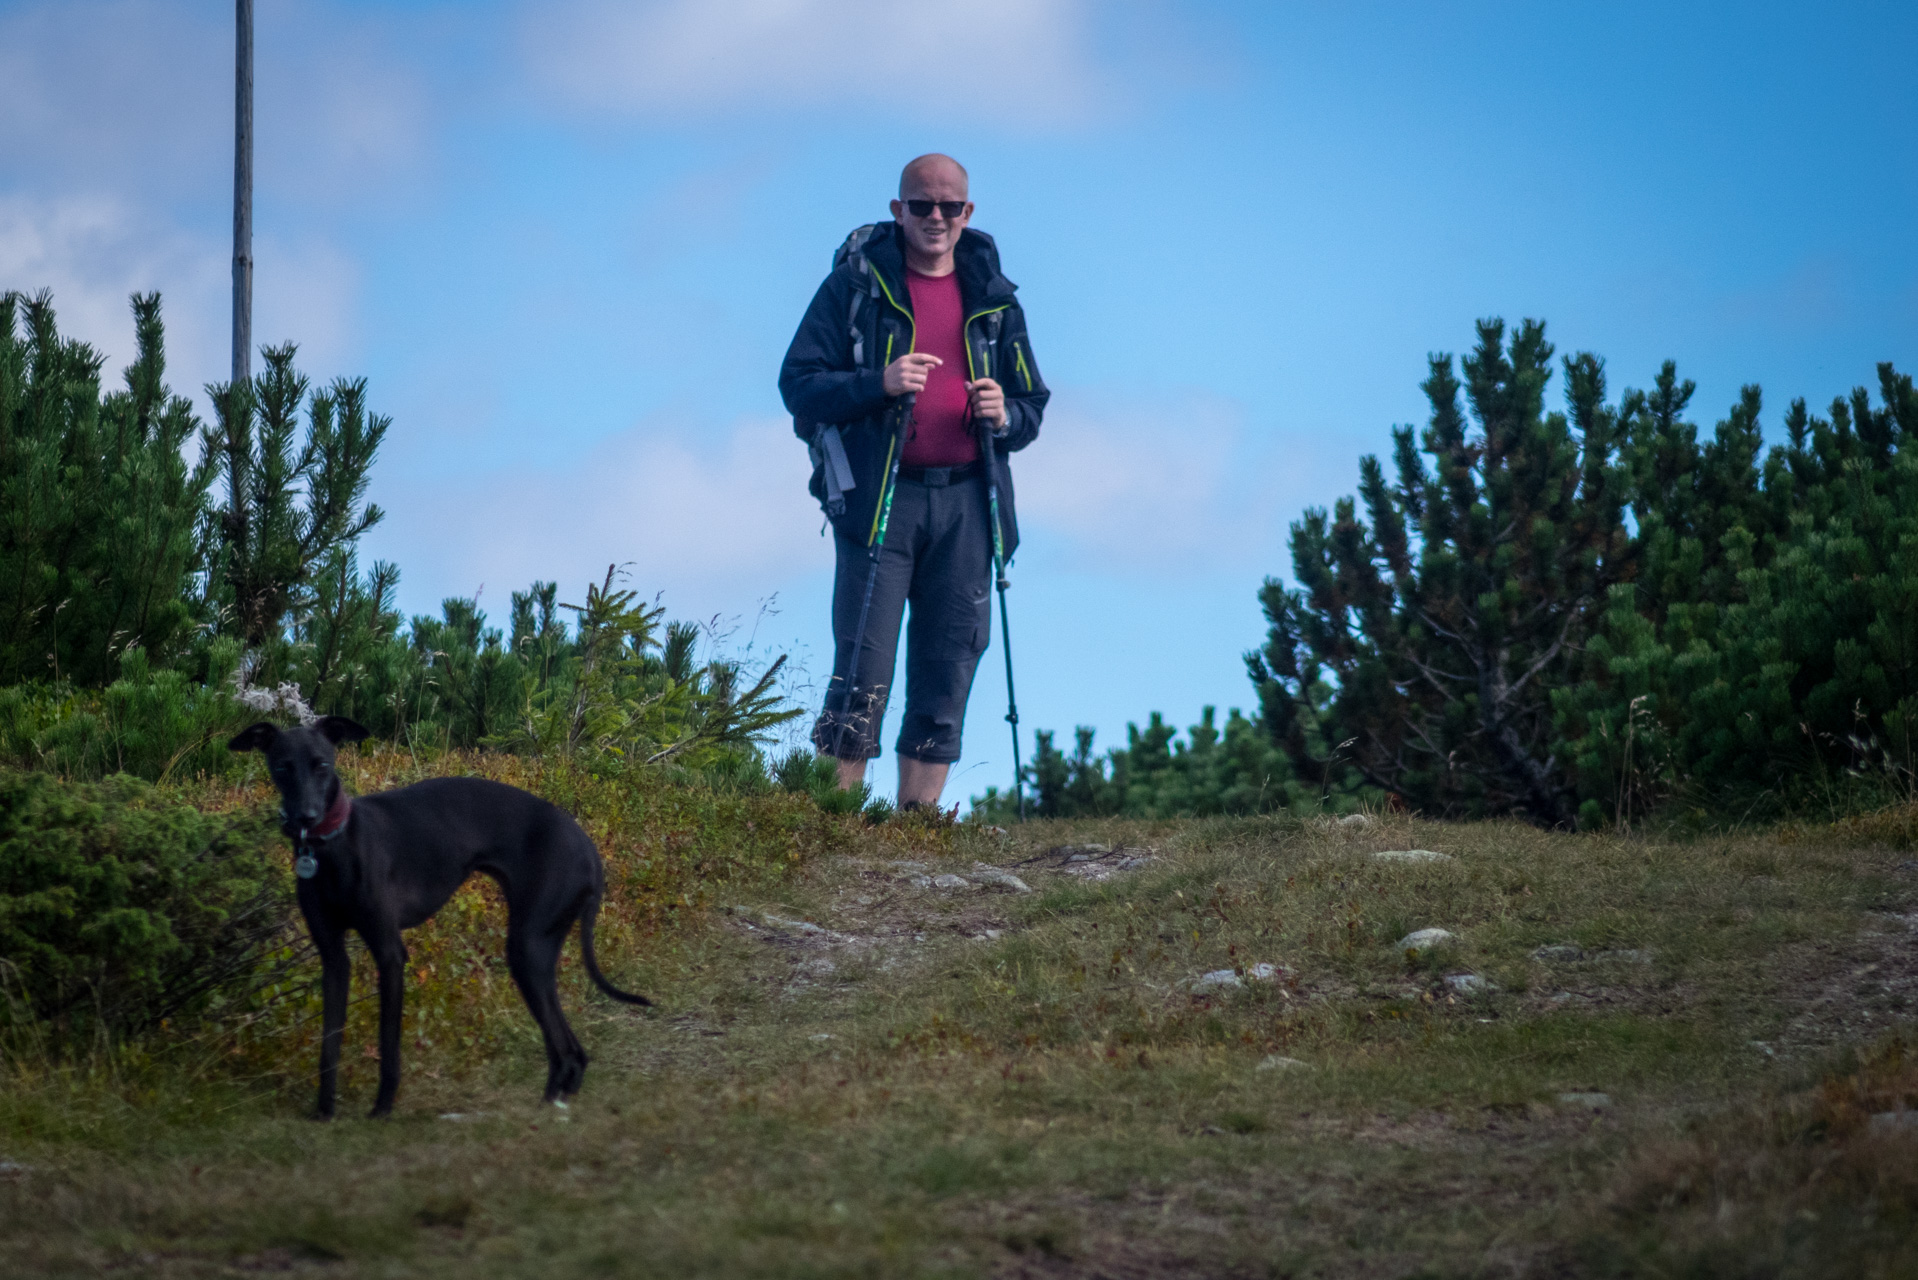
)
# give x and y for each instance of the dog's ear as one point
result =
(255, 737)
(338, 729)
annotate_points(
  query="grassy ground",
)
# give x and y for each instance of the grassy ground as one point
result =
(856, 1071)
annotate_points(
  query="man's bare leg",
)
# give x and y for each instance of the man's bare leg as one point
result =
(851, 773)
(920, 781)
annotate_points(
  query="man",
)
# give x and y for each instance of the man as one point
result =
(913, 355)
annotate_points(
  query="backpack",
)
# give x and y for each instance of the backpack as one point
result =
(823, 441)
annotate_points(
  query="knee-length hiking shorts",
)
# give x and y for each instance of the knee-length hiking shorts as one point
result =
(937, 559)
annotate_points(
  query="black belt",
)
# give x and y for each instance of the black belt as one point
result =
(939, 477)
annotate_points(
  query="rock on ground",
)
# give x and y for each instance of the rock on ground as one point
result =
(1587, 1101)
(1225, 979)
(1426, 939)
(1003, 879)
(1893, 1122)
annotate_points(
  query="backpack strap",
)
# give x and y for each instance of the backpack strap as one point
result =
(837, 470)
(824, 441)
(854, 251)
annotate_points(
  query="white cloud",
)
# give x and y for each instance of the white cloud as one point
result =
(94, 251)
(137, 96)
(116, 169)
(1023, 60)
(716, 527)
(108, 95)
(1130, 484)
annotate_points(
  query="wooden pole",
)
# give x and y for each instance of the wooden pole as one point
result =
(243, 192)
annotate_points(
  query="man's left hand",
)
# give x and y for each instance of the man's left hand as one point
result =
(988, 402)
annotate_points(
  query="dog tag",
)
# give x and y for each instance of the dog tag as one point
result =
(306, 866)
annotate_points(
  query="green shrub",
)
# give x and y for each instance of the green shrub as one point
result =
(153, 722)
(807, 773)
(121, 906)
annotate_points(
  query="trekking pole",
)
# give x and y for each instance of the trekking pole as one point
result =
(1005, 624)
(874, 541)
(1005, 632)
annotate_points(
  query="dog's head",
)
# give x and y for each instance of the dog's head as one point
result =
(300, 762)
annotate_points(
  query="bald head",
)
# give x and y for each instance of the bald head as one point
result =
(932, 210)
(932, 169)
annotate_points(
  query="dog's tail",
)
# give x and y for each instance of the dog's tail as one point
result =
(587, 915)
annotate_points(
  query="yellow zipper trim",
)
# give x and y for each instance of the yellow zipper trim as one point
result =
(887, 290)
(885, 473)
(963, 329)
(892, 442)
(1019, 363)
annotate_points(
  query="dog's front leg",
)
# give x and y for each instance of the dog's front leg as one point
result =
(336, 972)
(389, 954)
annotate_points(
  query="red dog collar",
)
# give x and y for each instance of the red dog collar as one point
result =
(336, 816)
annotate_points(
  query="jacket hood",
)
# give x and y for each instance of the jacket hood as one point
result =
(975, 259)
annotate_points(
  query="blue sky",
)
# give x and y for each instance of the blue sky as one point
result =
(567, 243)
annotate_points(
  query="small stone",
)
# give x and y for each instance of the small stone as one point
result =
(1470, 984)
(1412, 855)
(1586, 1101)
(1426, 939)
(1624, 957)
(1893, 1122)
(985, 874)
(1559, 953)
(1274, 1062)
(1763, 1048)
(950, 881)
(1083, 852)
(13, 1169)
(796, 926)
(1268, 972)
(1218, 979)
(1356, 821)
(821, 1035)
(988, 935)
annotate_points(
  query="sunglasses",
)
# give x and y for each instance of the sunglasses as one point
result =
(923, 208)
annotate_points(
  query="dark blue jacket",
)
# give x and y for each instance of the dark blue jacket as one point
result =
(860, 321)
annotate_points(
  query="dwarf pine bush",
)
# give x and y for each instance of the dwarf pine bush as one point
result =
(121, 906)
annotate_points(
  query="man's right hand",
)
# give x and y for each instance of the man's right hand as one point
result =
(907, 374)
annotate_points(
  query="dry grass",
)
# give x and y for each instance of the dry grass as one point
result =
(978, 1082)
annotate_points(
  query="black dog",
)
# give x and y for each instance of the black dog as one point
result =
(387, 862)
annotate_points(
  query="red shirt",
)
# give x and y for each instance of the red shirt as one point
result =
(941, 435)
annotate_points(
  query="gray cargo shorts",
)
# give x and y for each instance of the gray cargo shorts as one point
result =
(938, 559)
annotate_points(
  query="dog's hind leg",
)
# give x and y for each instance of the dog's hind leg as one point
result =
(533, 957)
